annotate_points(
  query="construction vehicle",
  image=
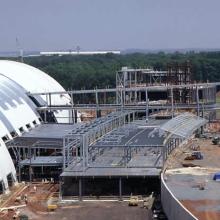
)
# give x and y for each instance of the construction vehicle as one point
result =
(23, 217)
(198, 155)
(195, 155)
(51, 207)
(189, 157)
(216, 140)
(133, 201)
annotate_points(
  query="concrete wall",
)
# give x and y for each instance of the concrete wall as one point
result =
(172, 207)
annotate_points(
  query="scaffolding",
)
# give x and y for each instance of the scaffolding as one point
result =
(132, 78)
(179, 74)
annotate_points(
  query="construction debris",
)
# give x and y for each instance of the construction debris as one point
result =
(33, 198)
(189, 165)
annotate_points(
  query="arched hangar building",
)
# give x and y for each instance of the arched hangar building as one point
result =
(18, 110)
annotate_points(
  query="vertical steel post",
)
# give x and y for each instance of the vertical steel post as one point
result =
(197, 99)
(172, 105)
(68, 152)
(124, 86)
(60, 188)
(30, 169)
(97, 103)
(120, 189)
(64, 154)
(72, 110)
(135, 84)
(122, 100)
(80, 189)
(19, 167)
(164, 152)
(147, 104)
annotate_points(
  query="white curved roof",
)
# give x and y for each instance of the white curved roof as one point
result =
(32, 79)
(6, 164)
(36, 81)
(16, 109)
(16, 112)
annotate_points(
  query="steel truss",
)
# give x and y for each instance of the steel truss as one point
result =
(76, 145)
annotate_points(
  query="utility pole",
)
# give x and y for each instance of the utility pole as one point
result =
(20, 56)
(78, 49)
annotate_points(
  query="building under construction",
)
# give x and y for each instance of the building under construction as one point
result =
(122, 150)
(174, 85)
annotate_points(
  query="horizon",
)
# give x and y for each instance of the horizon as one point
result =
(17, 53)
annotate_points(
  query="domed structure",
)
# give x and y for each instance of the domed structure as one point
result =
(18, 112)
(34, 80)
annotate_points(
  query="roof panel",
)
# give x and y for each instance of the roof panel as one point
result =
(183, 125)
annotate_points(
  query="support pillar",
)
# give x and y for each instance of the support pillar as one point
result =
(80, 189)
(120, 189)
(197, 100)
(19, 165)
(172, 106)
(147, 105)
(75, 116)
(72, 120)
(97, 104)
(60, 189)
(30, 167)
(164, 152)
(19, 172)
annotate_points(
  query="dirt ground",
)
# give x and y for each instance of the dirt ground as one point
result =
(40, 195)
(205, 215)
(32, 199)
(210, 152)
(99, 211)
(89, 210)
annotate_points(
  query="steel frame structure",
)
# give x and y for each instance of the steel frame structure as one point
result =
(133, 78)
(83, 141)
(179, 129)
(79, 172)
(77, 144)
(32, 150)
(203, 99)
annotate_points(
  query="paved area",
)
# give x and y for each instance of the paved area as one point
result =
(194, 186)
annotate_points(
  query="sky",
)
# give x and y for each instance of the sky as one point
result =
(109, 24)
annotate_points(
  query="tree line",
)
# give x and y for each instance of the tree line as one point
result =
(89, 72)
